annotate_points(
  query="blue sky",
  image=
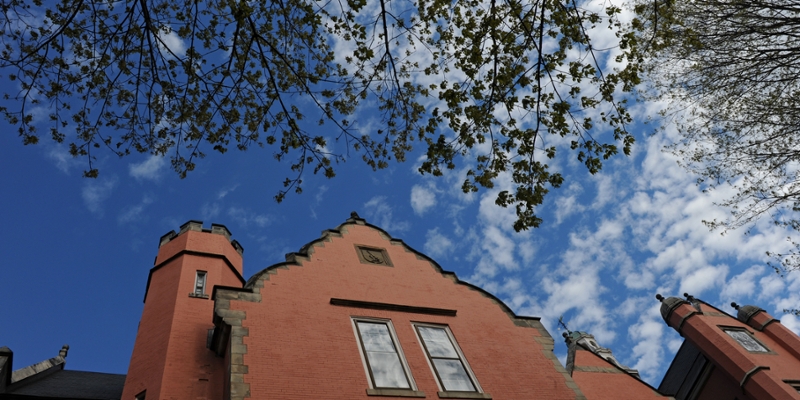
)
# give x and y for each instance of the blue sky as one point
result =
(77, 251)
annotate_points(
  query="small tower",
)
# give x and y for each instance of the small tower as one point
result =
(746, 357)
(599, 374)
(170, 359)
(578, 340)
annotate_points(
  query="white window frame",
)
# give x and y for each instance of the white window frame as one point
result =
(462, 358)
(198, 285)
(365, 363)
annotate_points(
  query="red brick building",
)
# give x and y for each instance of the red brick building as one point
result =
(357, 314)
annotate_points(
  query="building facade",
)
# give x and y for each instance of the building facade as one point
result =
(357, 314)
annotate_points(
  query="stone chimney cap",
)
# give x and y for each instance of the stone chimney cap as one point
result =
(668, 305)
(221, 230)
(744, 313)
(192, 225)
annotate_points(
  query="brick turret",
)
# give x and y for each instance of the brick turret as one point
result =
(737, 362)
(170, 356)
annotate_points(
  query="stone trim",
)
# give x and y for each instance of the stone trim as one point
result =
(548, 344)
(715, 314)
(726, 328)
(606, 370)
(197, 226)
(38, 370)
(750, 373)
(228, 328)
(463, 395)
(767, 322)
(395, 393)
(684, 318)
(383, 260)
(612, 368)
(795, 384)
(393, 307)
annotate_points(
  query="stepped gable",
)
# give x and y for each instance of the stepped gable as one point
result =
(307, 250)
(364, 251)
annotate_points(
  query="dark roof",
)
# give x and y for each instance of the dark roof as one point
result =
(64, 384)
(684, 372)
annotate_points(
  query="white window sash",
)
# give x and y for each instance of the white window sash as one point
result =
(454, 343)
(398, 350)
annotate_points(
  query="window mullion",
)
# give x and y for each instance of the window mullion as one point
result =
(382, 353)
(366, 355)
(463, 374)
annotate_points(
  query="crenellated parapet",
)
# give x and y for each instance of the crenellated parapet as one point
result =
(197, 226)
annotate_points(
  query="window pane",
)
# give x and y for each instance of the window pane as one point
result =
(437, 342)
(746, 340)
(453, 375)
(382, 357)
(376, 337)
(387, 370)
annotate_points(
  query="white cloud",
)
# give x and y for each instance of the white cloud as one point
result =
(606, 191)
(379, 212)
(770, 285)
(674, 345)
(648, 352)
(792, 322)
(318, 200)
(527, 250)
(170, 42)
(436, 244)
(635, 277)
(492, 215)
(422, 199)
(631, 306)
(568, 204)
(565, 207)
(702, 279)
(224, 192)
(320, 194)
(500, 248)
(743, 284)
(149, 169)
(63, 160)
(95, 192)
(582, 295)
(247, 218)
(209, 211)
(134, 213)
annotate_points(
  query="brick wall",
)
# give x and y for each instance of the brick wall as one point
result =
(300, 346)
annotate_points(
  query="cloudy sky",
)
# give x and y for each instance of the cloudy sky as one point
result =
(77, 251)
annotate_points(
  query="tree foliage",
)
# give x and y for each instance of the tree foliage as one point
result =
(486, 83)
(732, 68)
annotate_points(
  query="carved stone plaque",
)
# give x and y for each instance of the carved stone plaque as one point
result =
(371, 255)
